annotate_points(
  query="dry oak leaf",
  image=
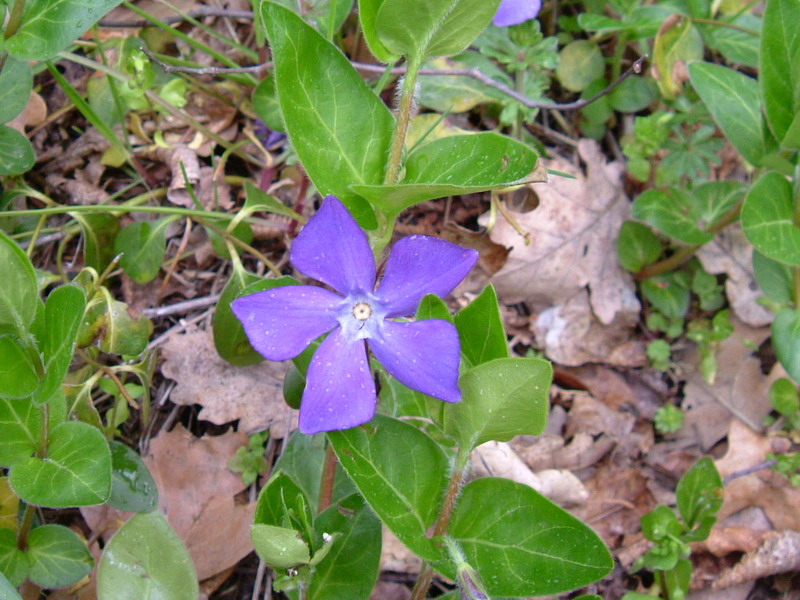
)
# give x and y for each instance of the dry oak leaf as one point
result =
(573, 235)
(254, 394)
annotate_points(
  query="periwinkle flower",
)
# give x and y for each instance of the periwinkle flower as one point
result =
(514, 12)
(423, 355)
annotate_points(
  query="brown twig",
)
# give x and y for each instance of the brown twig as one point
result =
(208, 11)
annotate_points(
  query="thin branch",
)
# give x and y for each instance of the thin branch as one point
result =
(181, 307)
(208, 11)
(203, 70)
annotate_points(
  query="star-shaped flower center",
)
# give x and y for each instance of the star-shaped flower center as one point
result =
(362, 311)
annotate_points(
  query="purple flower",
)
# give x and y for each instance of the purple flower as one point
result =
(423, 355)
(514, 12)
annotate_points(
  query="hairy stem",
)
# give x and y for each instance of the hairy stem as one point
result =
(401, 122)
(448, 504)
(328, 476)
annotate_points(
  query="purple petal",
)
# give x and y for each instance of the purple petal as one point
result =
(340, 392)
(281, 322)
(420, 265)
(513, 12)
(423, 356)
(333, 249)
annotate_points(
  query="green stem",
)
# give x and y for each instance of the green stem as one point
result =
(14, 19)
(448, 504)
(796, 221)
(716, 23)
(328, 477)
(401, 122)
(41, 452)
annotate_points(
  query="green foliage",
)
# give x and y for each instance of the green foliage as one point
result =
(668, 419)
(659, 354)
(250, 461)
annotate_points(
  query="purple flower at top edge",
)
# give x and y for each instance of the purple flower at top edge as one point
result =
(514, 12)
(423, 355)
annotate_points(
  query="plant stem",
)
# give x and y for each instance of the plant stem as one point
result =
(401, 121)
(448, 504)
(796, 222)
(328, 476)
(30, 510)
(14, 19)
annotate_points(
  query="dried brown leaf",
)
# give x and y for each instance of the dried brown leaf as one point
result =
(254, 394)
(573, 235)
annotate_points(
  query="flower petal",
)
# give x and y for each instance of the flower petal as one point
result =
(423, 356)
(333, 249)
(514, 12)
(420, 265)
(340, 392)
(281, 322)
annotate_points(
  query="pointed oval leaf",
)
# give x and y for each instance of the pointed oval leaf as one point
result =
(279, 547)
(19, 367)
(145, 560)
(49, 26)
(279, 499)
(521, 544)
(767, 219)
(699, 496)
(18, 292)
(671, 211)
(424, 28)
(774, 278)
(99, 231)
(786, 340)
(13, 563)
(501, 399)
(778, 65)
(142, 245)
(16, 82)
(132, 487)
(367, 13)
(58, 557)
(340, 129)
(350, 569)
(402, 474)
(76, 472)
(480, 329)
(16, 152)
(734, 101)
(637, 246)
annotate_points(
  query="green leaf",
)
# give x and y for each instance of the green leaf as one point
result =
(13, 563)
(132, 487)
(637, 246)
(402, 474)
(500, 399)
(257, 200)
(7, 591)
(340, 130)
(266, 105)
(579, 64)
(660, 523)
(49, 26)
(521, 544)
(423, 28)
(20, 367)
(63, 315)
(279, 500)
(16, 152)
(318, 13)
(786, 340)
(16, 82)
(142, 245)
(367, 12)
(672, 212)
(713, 200)
(735, 103)
(18, 293)
(145, 560)
(433, 307)
(480, 329)
(699, 498)
(58, 557)
(767, 219)
(632, 95)
(774, 278)
(779, 66)
(99, 231)
(115, 327)
(735, 46)
(229, 336)
(784, 397)
(279, 547)
(21, 422)
(350, 569)
(455, 165)
(76, 472)
(669, 293)
(677, 43)
(302, 460)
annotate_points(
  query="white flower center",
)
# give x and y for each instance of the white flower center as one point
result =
(362, 311)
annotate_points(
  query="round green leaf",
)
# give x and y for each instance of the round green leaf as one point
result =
(19, 371)
(784, 397)
(632, 95)
(774, 278)
(13, 562)
(132, 486)
(15, 88)
(7, 591)
(521, 544)
(76, 472)
(480, 329)
(637, 246)
(142, 245)
(786, 340)
(115, 327)
(501, 399)
(21, 420)
(279, 547)
(18, 292)
(579, 64)
(16, 152)
(668, 293)
(767, 219)
(57, 556)
(145, 560)
(672, 212)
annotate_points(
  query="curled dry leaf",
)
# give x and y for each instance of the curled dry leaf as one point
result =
(185, 170)
(779, 553)
(729, 252)
(253, 395)
(573, 236)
